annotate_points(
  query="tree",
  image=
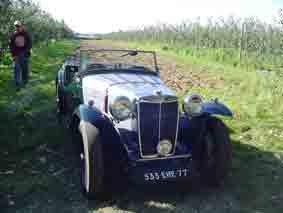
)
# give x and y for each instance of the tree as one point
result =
(6, 15)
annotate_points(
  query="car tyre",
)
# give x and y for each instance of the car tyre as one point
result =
(92, 162)
(59, 99)
(216, 153)
(63, 114)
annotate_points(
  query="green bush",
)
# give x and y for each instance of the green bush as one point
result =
(6, 60)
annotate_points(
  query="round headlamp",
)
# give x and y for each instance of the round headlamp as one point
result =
(164, 147)
(193, 105)
(121, 108)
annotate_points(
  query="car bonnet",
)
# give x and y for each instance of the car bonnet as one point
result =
(133, 86)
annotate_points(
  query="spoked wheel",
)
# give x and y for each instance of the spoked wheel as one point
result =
(216, 152)
(59, 99)
(92, 172)
(59, 104)
(64, 115)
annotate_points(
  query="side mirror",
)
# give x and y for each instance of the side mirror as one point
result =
(133, 53)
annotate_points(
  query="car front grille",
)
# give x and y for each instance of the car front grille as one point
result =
(157, 121)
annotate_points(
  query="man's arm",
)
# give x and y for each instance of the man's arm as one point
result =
(12, 45)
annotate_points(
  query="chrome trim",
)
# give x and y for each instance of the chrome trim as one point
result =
(177, 129)
(139, 127)
(166, 158)
(132, 82)
(157, 96)
(139, 132)
(159, 124)
(157, 101)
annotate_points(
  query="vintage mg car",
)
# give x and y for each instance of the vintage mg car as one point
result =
(128, 124)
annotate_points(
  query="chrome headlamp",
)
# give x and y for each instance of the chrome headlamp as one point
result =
(193, 105)
(121, 108)
(164, 147)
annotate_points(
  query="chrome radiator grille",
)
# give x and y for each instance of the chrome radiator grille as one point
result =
(157, 121)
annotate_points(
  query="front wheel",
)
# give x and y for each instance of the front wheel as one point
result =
(92, 162)
(216, 152)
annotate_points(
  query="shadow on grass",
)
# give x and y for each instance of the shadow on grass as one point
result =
(46, 179)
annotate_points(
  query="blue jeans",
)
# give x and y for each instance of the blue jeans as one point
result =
(21, 69)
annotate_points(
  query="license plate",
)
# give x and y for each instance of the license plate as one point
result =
(165, 175)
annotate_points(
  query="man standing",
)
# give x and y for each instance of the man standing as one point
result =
(20, 45)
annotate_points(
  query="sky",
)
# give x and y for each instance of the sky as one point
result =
(102, 16)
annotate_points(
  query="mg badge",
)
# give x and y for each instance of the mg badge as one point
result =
(158, 92)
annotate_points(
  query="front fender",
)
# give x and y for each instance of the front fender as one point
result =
(216, 108)
(110, 137)
(91, 115)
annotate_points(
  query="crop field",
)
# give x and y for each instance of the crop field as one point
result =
(38, 165)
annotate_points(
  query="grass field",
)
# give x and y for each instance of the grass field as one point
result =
(38, 171)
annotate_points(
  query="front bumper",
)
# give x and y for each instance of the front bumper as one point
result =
(161, 170)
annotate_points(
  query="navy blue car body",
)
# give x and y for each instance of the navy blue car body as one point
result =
(130, 123)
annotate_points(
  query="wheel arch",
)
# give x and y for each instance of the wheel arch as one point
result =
(110, 136)
(216, 108)
(219, 134)
(88, 114)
